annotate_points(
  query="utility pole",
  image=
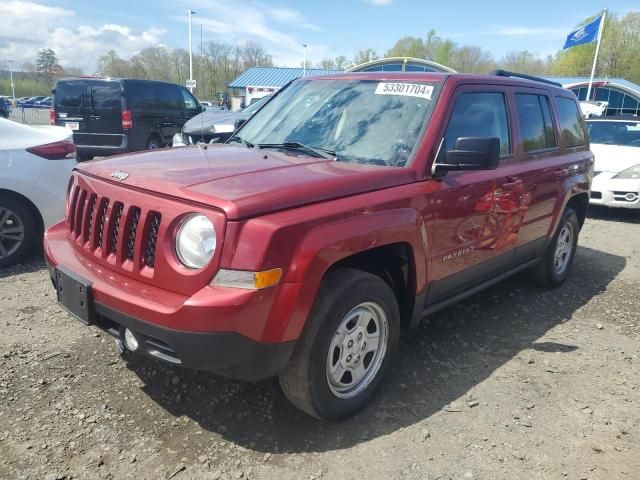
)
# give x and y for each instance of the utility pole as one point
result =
(201, 66)
(13, 88)
(191, 12)
(304, 61)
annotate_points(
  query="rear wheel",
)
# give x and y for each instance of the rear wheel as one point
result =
(154, 142)
(557, 261)
(18, 231)
(346, 346)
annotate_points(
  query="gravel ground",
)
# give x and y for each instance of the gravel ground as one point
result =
(516, 382)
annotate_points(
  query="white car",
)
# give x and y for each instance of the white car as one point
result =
(35, 166)
(615, 142)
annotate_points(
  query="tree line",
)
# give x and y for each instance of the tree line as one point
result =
(215, 65)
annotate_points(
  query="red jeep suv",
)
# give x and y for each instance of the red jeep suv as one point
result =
(346, 208)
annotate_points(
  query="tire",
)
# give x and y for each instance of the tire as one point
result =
(154, 142)
(552, 271)
(18, 231)
(345, 299)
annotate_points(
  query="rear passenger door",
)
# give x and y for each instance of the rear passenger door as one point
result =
(528, 190)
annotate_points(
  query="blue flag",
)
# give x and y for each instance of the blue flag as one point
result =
(585, 34)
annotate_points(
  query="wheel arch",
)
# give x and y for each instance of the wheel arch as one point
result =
(580, 204)
(28, 203)
(394, 263)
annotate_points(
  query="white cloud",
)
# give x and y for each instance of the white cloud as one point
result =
(379, 2)
(21, 37)
(265, 24)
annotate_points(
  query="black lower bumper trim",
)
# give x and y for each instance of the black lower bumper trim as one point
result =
(225, 353)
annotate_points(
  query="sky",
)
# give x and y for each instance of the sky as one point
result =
(80, 31)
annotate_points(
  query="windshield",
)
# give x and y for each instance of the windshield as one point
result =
(625, 134)
(363, 121)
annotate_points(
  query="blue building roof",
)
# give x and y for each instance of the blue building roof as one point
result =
(275, 76)
(619, 81)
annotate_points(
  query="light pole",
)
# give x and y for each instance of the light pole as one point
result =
(304, 61)
(191, 12)
(13, 89)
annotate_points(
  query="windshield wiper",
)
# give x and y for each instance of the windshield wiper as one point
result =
(242, 141)
(318, 151)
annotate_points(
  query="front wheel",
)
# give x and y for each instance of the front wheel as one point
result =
(555, 266)
(346, 346)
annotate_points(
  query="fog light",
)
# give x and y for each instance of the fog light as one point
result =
(631, 197)
(130, 340)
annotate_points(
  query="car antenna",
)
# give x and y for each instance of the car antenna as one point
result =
(202, 124)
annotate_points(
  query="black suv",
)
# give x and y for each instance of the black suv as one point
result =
(113, 115)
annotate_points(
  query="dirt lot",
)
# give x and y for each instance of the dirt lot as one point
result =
(516, 382)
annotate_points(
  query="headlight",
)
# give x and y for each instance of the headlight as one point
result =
(632, 173)
(196, 241)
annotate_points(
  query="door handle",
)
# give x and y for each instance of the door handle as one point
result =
(511, 183)
(561, 173)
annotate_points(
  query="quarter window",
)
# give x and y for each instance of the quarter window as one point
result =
(536, 126)
(479, 114)
(571, 123)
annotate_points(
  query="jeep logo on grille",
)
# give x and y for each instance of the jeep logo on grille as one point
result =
(120, 175)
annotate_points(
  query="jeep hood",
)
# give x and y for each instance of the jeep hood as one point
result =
(244, 182)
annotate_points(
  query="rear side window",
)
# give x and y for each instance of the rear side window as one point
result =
(536, 126)
(168, 97)
(105, 95)
(479, 114)
(571, 123)
(140, 94)
(69, 93)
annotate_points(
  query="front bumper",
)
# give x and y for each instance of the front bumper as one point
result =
(611, 192)
(224, 353)
(217, 329)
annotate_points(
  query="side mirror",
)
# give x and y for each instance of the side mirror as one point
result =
(238, 123)
(469, 153)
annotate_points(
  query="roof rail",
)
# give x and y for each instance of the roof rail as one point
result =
(506, 73)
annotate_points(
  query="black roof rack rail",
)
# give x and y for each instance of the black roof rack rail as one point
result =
(506, 73)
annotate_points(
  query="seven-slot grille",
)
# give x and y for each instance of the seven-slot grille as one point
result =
(97, 223)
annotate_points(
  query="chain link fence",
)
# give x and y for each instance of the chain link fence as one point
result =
(30, 116)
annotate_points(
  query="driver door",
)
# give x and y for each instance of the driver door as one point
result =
(466, 247)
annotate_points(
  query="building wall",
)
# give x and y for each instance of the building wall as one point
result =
(621, 102)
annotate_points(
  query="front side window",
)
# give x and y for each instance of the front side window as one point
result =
(536, 126)
(190, 103)
(571, 122)
(479, 114)
(361, 121)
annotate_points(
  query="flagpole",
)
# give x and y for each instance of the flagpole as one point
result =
(595, 59)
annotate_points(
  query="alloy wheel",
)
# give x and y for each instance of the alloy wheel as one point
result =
(11, 232)
(564, 249)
